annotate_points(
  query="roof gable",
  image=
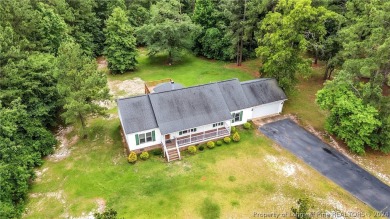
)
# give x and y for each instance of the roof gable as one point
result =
(136, 114)
(233, 94)
(262, 91)
(185, 108)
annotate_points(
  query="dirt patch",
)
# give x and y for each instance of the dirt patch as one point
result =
(283, 166)
(119, 89)
(262, 121)
(102, 62)
(39, 174)
(63, 150)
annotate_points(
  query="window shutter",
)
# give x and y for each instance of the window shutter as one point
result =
(241, 115)
(153, 135)
(136, 139)
(233, 117)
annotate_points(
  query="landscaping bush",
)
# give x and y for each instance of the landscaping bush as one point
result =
(219, 143)
(234, 129)
(157, 152)
(210, 144)
(107, 214)
(227, 140)
(201, 147)
(247, 125)
(192, 149)
(132, 158)
(236, 137)
(144, 155)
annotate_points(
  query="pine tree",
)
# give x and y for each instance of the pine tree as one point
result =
(81, 84)
(120, 45)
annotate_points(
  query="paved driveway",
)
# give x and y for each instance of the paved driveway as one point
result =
(330, 163)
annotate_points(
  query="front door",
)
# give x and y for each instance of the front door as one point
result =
(168, 138)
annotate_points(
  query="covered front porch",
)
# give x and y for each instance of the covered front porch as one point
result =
(201, 137)
(171, 146)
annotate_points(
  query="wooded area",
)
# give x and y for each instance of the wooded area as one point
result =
(49, 76)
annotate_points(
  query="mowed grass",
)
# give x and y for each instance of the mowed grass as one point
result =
(301, 101)
(232, 180)
(189, 71)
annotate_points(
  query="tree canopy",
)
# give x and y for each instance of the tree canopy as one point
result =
(285, 35)
(48, 73)
(168, 30)
(80, 84)
(120, 45)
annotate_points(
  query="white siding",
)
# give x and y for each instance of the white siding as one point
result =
(130, 138)
(246, 115)
(267, 109)
(200, 129)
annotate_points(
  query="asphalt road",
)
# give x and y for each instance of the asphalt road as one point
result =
(330, 163)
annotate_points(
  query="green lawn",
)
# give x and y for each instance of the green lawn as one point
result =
(189, 71)
(232, 181)
(235, 180)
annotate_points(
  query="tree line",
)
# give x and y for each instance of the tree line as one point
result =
(48, 74)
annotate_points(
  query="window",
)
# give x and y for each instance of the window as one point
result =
(217, 124)
(237, 117)
(148, 137)
(187, 131)
(144, 137)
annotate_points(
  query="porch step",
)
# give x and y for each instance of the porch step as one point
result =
(173, 155)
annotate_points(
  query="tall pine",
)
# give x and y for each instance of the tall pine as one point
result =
(120, 46)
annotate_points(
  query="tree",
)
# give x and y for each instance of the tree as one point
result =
(23, 141)
(32, 80)
(120, 45)
(211, 42)
(81, 85)
(49, 29)
(350, 119)
(366, 53)
(302, 212)
(283, 39)
(168, 30)
(107, 214)
(85, 25)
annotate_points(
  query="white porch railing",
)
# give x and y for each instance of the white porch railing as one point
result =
(178, 151)
(203, 137)
(165, 149)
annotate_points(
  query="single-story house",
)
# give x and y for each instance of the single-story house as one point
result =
(176, 118)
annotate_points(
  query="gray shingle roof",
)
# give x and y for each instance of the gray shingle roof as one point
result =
(185, 108)
(262, 91)
(190, 107)
(233, 94)
(166, 87)
(136, 114)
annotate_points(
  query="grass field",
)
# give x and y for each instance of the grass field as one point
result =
(236, 180)
(231, 181)
(189, 71)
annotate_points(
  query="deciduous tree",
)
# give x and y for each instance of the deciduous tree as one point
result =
(282, 39)
(168, 30)
(350, 119)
